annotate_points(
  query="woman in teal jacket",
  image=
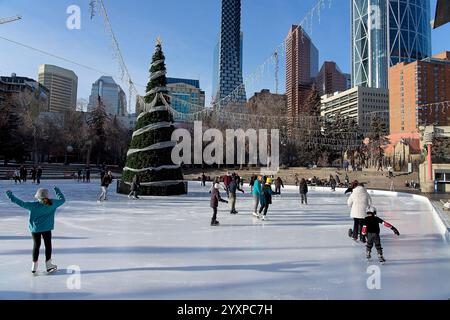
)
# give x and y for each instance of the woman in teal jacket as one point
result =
(256, 190)
(41, 222)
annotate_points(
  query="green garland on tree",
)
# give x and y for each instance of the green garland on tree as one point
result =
(150, 150)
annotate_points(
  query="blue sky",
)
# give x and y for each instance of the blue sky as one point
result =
(189, 31)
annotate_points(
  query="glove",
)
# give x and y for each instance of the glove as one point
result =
(364, 230)
(395, 231)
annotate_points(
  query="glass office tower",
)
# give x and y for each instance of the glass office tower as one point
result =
(385, 32)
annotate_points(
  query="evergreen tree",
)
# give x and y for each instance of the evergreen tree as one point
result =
(151, 147)
(378, 139)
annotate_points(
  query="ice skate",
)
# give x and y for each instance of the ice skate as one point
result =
(50, 267)
(381, 259)
(34, 267)
(264, 218)
(215, 223)
(256, 215)
(368, 255)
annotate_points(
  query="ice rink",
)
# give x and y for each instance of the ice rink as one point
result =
(164, 248)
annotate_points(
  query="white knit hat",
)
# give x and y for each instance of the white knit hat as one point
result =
(216, 186)
(41, 194)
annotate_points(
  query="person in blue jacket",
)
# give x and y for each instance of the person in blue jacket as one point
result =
(256, 191)
(41, 222)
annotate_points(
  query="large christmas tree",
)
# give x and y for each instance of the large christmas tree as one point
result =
(150, 151)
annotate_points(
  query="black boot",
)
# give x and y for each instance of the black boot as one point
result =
(214, 223)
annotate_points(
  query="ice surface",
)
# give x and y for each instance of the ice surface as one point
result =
(164, 248)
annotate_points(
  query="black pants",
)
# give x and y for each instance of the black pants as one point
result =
(277, 189)
(357, 226)
(214, 217)
(37, 244)
(264, 208)
(374, 238)
(38, 178)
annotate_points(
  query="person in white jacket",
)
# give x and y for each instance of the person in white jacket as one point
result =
(359, 201)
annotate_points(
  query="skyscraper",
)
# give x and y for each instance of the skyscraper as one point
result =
(111, 94)
(385, 32)
(302, 61)
(62, 84)
(330, 79)
(228, 86)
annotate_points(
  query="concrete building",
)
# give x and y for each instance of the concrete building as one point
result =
(265, 102)
(111, 94)
(302, 62)
(187, 95)
(62, 84)
(360, 103)
(385, 32)
(228, 86)
(419, 94)
(25, 91)
(330, 79)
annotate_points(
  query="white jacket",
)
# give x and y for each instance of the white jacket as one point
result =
(359, 201)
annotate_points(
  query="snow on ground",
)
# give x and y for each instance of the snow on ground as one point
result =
(164, 248)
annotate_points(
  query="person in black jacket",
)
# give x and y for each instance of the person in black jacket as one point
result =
(303, 189)
(106, 181)
(38, 175)
(278, 185)
(232, 188)
(371, 229)
(214, 203)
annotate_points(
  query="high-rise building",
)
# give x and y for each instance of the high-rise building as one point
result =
(187, 95)
(385, 32)
(419, 94)
(330, 79)
(228, 85)
(302, 61)
(359, 103)
(62, 84)
(111, 94)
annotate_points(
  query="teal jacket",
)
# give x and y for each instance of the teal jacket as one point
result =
(41, 217)
(256, 188)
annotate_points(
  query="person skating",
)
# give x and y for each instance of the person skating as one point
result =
(278, 185)
(38, 175)
(332, 183)
(371, 229)
(233, 187)
(265, 199)
(17, 176)
(226, 181)
(303, 189)
(135, 184)
(252, 182)
(79, 172)
(88, 175)
(106, 181)
(214, 203)
(203, 179)
(256, 191)
(359, 200)
(296, 180)
(33, 174)
(23, 174)
(41, 222)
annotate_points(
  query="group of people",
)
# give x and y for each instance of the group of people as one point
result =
(20, 174)
(365, 220)
(84, 175)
